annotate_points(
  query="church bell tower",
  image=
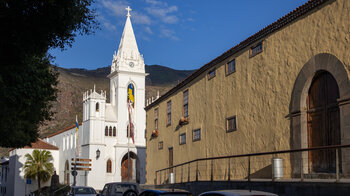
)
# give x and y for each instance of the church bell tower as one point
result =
(128, 70)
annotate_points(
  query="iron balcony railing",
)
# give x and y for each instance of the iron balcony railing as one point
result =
(326, 162)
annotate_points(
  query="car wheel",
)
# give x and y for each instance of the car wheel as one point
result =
(130, 193)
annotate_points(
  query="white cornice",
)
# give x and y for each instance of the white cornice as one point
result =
(127, 72)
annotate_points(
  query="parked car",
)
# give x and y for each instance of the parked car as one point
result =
(82, 191)
(120, 189)
(237, 193)
(165, 193)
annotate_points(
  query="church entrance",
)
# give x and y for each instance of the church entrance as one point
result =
(130, 169)
(323, 122)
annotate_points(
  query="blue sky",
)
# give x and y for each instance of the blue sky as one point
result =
(181, 34)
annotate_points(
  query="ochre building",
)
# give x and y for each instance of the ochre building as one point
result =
(285, 87)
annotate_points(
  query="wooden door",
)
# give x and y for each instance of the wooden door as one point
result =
(126, 174)
(323, 122)
(171, 158)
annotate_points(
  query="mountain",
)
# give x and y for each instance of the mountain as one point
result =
(74, 82)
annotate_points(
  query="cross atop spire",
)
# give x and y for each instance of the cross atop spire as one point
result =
(128, 9)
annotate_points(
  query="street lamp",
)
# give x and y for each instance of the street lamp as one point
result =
(98, 153)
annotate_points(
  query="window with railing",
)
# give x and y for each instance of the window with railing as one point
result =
(168, 113)
(185, 106)
(156, 119)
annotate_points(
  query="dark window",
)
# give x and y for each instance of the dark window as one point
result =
(106, 131)
(256, 49)
(211, 74)
(97, 107)
(169, 113)
(196, 135)
(114, 131)
(160, 145)
(185, 108)
(156, 119)
(231, 124)
(183, 138)
(109, 166)
(231, 67)
(110, 131)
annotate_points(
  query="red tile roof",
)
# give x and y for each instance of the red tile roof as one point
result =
(41, 144)
(279, 24)
(63, 130)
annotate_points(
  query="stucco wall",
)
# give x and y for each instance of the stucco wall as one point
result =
(258, 93)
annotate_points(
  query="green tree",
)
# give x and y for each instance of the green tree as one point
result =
(28, 29)
(38, 166)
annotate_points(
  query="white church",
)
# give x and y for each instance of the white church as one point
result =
(103, 135)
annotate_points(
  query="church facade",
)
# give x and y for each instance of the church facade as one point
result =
(285, 87)
(110, 132)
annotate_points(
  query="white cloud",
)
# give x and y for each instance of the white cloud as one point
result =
(154, 2)
(190, 19)
(163, 13)
(106, 23)
(139, 18)
(168, 33)
(148, 30)
(117, 8)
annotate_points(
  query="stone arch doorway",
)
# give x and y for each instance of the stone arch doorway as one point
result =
(323, 122)
(130, 171)
(66, 172)
(300, 109)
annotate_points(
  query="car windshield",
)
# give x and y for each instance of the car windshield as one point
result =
(84, 191)
(124, 187)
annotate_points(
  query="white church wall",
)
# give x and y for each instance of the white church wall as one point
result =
(66, 143)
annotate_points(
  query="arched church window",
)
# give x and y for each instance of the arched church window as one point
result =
(109, 166)
(97, 107)
(114, 131)
(106, 131)
(110, 131)
(66, 173)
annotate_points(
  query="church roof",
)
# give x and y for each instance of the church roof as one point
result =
(41, 144)
(279, 24)
(63, 130)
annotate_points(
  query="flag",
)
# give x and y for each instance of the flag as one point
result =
(76, 135)
(131, 93)
(131, 123)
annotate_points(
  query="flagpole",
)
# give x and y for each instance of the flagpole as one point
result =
(129, 127)
(75, 160)
(128, 156)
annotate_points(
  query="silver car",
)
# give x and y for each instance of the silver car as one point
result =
(82, 191)
(237, 193)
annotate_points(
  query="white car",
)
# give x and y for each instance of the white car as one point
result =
(237, 193)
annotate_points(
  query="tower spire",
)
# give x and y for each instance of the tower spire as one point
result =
(128, 55)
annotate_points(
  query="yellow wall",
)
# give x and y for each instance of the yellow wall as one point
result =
(258, 93)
